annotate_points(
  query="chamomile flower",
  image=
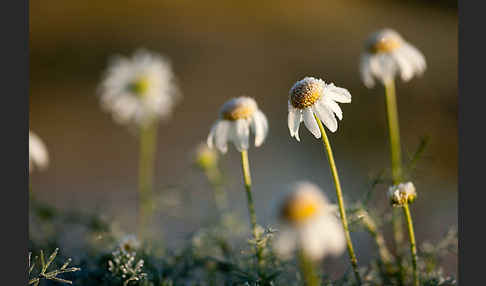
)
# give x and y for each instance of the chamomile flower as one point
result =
(387, 54)
(38, 156)
(310, 224)
(129, 244)
(401, 194)
(311, 96)
(139, 89)
(237, 117)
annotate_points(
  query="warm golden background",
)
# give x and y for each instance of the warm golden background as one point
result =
(222, 49)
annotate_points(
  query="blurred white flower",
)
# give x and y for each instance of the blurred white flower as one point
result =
(129, 244)
(139, 89)
(311, 96)
(310, 224)
(386, 54)
(38, 156)
(237, 117)
(401, 194)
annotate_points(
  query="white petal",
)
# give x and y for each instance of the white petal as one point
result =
(334, 235)
(383, 66)
(294, 118)
(365, 71)
(221, 135)
(311, 123)
(326, 116)
(406, 69)
(312, 240)
(338, 94)
(285, 243)
(415, 57)
(259, 124)
(38, 155)
(242, 134)
(210, 140)
(333, 106)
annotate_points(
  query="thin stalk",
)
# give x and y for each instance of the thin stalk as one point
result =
(413, 247)
(396, 162)
(370, 226)
(308, 271)
(394, 132)
(342, 211)
(148, 143)
(251, 207)
(395, 152)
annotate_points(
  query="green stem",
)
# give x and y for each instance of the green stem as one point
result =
(396, 161)
(148, 143)
(332, 165)
(370, 226)
(251, 208)
(413, 247)
(308, 271)
(394, 132)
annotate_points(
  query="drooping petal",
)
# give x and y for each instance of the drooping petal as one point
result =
(221, 135)
(404, 64)
(415, 57)
(384, 67)
(38, 155)
(312, 240)
(338, 94)
(263, 120)
(333, 106)
(242, 134)
(210, 140)
(326, 116)
(294, 119)
(311, 123)
(365, 71)
(259, 124)
(334, 238)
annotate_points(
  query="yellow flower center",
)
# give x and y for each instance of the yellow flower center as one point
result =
(140, 86)
(305, 93)
(300, 209)
(384, 45)
(238, 112)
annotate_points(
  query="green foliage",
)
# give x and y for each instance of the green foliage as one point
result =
(223, 253)
(43, 273)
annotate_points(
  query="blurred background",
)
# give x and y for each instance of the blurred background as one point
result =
(223, 49)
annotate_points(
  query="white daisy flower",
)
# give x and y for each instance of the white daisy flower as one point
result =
(38, 156)
(386, 54)
(237, 117)
(401, 194)
(311, 96)
(310, 225)
(139, 89)
(129, 244)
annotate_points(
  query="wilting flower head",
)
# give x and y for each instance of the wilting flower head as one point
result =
(311, 96)
(386, 54)
(237, 117)
(129, 244)
(139, 89)
(310, 225)
(38, 156)
(206, 158)
(401, 194)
